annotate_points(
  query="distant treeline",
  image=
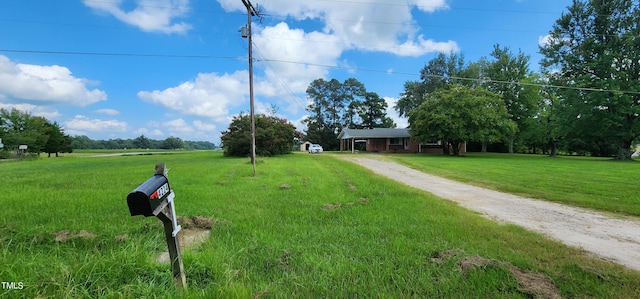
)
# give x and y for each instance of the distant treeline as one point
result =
(140, 142)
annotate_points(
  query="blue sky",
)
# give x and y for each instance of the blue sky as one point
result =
(124, 68)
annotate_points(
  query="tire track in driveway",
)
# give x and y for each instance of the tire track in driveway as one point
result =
(610, 238)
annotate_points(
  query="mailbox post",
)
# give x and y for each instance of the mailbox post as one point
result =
(155, 198)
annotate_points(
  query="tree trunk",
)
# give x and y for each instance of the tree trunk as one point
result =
(445, 148)
(484, 147)
(511, 141)
(455, 147)
(624, 151)
(553, 148)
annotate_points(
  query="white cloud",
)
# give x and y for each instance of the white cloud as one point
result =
(52, 84)
(209, 95)
(430, 5)
(382, 26)
(197, 130)
(178, 126)
(202, 126)
(544, 40)
(147, 132)
(112, 112)
(310, 53)
(148, 15)
(81, 124)
(45, 112)
(401, 122)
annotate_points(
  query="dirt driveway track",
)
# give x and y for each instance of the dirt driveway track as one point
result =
(613, 239)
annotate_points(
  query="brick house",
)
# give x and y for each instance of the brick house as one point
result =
(385, 140)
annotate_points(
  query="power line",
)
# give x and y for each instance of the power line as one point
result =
(281, 80)
(118, 54)
(465, 79)
(322, 65)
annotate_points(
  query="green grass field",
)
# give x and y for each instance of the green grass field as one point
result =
(306, 226)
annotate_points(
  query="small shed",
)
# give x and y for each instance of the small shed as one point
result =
(305, 146)
(22, 149)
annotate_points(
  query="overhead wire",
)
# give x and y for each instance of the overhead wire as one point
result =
(481, 80)
(118, 54)
(280, 79)
(319, 65)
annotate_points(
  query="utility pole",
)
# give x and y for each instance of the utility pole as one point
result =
(251, 11)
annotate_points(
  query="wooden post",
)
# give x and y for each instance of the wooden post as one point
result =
(175, 256)
(166, 213)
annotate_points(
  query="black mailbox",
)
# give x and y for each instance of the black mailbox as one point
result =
(148, 196)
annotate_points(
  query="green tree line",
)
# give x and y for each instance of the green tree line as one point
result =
(37, 133)
(43, 136)
(140, 142)
(586, 100)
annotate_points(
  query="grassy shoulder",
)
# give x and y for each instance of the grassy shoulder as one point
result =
(595, 183)
(306, 226)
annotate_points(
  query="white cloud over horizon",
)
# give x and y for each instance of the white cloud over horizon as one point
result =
(208, 95)
(81, 125)
(44, 84)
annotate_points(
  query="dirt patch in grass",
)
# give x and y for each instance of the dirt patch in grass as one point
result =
(329, 207)
(65, 235)
(285, 186)
(537, 285)
(363, 200)
(194, 231)
(440, 257)
(284, 260)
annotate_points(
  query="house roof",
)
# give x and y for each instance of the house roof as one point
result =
(374, 133)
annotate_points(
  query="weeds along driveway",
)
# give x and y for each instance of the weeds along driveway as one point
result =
(614, 239)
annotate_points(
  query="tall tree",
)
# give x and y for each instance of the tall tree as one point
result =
(373, 112)
(337, 105)
(172, 143)
(595, 48)
(439, 73)
(353, 92)
(506, 72)
(56, 139)
(141, 142)
(460, 114)
(321, 123)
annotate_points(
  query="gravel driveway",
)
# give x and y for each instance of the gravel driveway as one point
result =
(610, 238)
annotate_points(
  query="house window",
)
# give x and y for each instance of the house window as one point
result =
(395, 141)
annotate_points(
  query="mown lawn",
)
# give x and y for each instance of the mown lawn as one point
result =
(306, 226)
(595, 183)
